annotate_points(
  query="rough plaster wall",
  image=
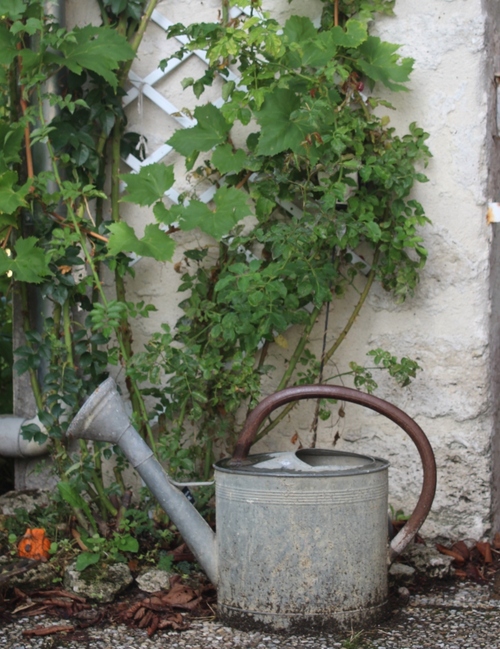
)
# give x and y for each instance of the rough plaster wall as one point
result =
(446, 325)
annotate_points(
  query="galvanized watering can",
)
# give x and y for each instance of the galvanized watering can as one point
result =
(301, 536)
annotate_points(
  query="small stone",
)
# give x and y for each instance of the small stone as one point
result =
(41, 575)
(101, 585)
(404, 595)
(429, 561)
(402, 572)
(26, 500)
(151, 581)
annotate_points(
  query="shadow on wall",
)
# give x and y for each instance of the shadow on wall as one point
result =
(6, 475)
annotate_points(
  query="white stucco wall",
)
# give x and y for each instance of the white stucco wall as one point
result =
(446, 325)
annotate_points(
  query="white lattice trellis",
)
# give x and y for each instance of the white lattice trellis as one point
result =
(143, 87)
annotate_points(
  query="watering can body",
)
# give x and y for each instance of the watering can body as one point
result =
(302, 546)
(301, 537)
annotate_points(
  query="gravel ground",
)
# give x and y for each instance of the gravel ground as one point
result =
(460, 616)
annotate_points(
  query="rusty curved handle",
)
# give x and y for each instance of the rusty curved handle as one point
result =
(413, 430)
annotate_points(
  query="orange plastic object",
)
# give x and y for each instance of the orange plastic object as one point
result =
(34, 545)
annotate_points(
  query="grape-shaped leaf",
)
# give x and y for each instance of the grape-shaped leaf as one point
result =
(8, 50)
(380, 63)
(30, 263)
(211, 129)
(149, 185)
(228, 161)
(230, 207)
(278, 131)
(354, 34)
(10, 198)
(12, 9)
(155, 243)
(99, 49)
(299, 29)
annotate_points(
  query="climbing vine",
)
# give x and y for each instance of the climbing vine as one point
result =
(318, 172)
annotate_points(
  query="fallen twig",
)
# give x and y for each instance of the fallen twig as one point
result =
(48, 630)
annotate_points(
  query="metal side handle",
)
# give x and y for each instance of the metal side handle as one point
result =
(411, 428)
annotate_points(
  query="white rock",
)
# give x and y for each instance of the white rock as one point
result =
(153, 580)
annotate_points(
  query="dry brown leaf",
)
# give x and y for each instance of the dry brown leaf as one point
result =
(450, 553)
(76, 535)
(485, 550)
(462, 549)
(178, 595)
(153, 626)
(145, 620)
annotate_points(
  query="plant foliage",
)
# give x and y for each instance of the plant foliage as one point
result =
(318, 173)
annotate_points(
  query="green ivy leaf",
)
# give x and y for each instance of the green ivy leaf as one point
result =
(10, 198)
(280, 132)
(8, 49)
(211, 129)
(149, 185)
(230, 207)
(99, 49)
(30, 263)
(380, 63)
(155, 243)
(86, 559)
(126, 543)
(11, 137)
(31, 26)
(228, 161)
(8, 219)
(12, 9)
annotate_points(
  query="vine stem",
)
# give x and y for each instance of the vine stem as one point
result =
(357, 308)
(332, 349)
(124, 336)
(35, 386)
(225, 12)
(136, 41)
(299, 349)
(97, 282)
(7, 237)
(67, 332)
(27, 138)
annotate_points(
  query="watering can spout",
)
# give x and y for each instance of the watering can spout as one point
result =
(103, 418)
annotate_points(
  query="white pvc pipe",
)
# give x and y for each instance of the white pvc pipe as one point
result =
(13, 444)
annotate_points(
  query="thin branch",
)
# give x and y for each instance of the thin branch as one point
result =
(7, 236)
(357, 308)
(136, 41)
(299, 349)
